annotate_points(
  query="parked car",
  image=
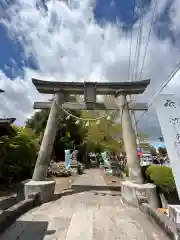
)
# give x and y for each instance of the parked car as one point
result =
(146, 159)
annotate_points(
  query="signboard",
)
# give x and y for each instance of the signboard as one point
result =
(168, 112)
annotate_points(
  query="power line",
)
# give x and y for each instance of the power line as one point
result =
(138, 44)
(162, 86)
(153, 19)
(136, 61)
(144, 57)
(129, 65)
(139, 47)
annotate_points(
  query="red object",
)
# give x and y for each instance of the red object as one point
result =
(140, 154)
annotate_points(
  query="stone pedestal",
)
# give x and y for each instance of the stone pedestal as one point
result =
(132, 192)
(44, 188)
(174, 213)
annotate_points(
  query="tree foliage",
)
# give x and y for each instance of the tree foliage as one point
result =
(38, 121)
(69, 134)
(107, 135)
(162, 151)
(153, 151)
(103, 136)
(18, 155)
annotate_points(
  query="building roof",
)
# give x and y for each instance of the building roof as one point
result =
(6, 128)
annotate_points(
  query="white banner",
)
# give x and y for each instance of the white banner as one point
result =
(168, 112)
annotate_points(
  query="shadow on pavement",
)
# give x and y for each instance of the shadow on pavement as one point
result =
(27, 230)
(85, 188)
(107, 194)
(8, 202)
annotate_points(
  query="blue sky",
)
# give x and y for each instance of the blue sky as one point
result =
(12, 59)
(118, 10)
(105, 11)
(45, 54)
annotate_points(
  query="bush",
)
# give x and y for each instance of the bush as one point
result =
(162, 177)
(126, 170)
(80, 169)
(19, 155)
(62, 171)
(143, 170)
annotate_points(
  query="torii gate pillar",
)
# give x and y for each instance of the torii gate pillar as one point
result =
(129, 138)
(133, 191)
(39, 182)
(41, 168)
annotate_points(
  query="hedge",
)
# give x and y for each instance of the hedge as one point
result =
(162, 177)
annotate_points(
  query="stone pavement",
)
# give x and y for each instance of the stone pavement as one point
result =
(89, 212)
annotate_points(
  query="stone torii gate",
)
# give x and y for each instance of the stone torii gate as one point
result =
(90, 90)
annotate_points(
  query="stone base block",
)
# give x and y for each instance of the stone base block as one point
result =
(44, 188)
(174, 213)
(133, 192)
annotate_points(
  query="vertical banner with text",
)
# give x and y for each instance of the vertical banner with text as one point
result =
(106, 162)
(168, 112)
(67, 159)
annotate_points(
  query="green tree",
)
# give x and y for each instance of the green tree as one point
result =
(69, 134)
(38, 121)
(153, 151)
(19, 155)
(102, 135)
(162, 151)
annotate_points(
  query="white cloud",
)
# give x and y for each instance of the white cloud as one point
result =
(67, 44)
(175, 16)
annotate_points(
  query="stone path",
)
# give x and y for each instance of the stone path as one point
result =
(90, 212)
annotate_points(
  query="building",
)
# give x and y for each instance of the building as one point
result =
(6, 128)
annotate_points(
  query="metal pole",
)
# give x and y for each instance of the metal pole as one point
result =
(41, 168)
(129, 138)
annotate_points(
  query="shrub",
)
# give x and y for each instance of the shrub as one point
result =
(62, 171)
(162, 177)
(80, 169)
(126, 170)
(143, 170)
(19, 155)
